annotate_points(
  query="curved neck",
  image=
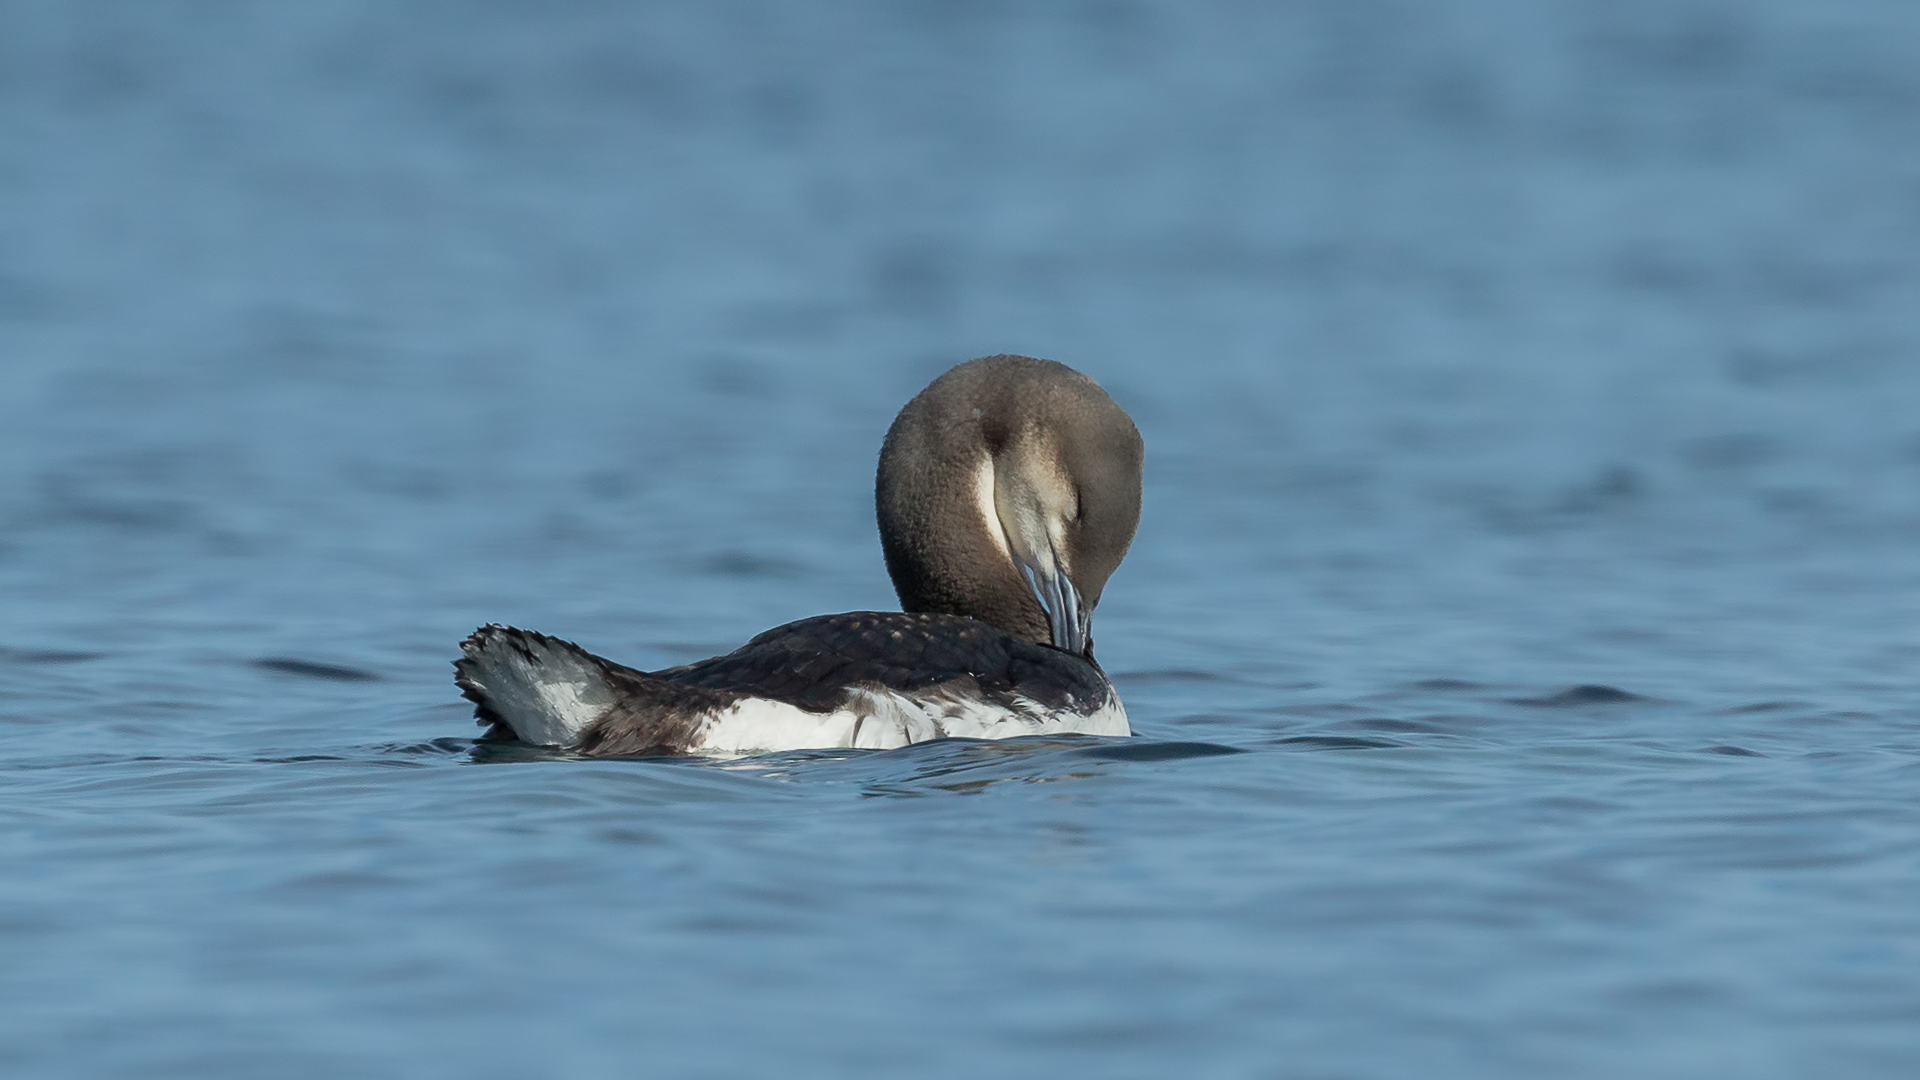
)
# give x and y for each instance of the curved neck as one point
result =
(1008, 490)
(944, 547)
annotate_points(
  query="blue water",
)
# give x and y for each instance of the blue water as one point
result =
(1520, 637)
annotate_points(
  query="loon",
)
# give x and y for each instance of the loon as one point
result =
(1008, 492)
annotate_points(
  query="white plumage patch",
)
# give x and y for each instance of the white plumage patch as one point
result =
(883, 720)
(984, 498)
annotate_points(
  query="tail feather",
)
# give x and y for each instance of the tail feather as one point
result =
(544, 690)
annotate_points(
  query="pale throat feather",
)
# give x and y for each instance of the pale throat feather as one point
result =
(983, 495)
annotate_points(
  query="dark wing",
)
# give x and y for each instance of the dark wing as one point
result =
(812, 663)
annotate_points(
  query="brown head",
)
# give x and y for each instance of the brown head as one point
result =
(1009, 490)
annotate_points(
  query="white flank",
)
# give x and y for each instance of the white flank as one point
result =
(883, 720)
(548, 700)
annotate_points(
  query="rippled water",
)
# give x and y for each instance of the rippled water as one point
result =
(1520, 636)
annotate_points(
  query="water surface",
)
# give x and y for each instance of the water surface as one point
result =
(1519, 637)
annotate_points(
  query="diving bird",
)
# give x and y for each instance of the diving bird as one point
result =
(1007, 493)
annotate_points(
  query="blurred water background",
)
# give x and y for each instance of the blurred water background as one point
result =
(1533, 491)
